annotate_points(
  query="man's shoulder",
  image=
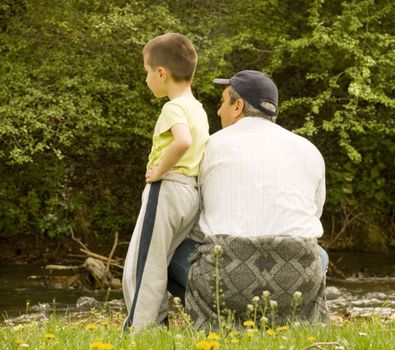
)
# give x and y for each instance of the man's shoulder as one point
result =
(221, 136)
(305, 142)
(297, 139)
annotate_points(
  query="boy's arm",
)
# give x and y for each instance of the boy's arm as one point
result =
(182, 141)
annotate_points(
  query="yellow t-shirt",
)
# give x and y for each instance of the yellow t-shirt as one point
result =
(181, 110)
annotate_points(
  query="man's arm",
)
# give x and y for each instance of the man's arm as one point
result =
(320, 197)
(181, 143)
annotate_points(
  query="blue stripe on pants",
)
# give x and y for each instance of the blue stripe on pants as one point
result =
(145, 241)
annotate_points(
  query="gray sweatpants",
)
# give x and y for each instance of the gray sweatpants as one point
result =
(168, 211)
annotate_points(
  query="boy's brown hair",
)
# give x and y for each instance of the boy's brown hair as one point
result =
(174, 52)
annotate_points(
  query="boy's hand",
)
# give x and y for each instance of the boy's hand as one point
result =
(153, 174)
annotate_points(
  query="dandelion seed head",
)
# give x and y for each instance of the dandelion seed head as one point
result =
(264, 319)
(266, 294)
(217, 249)
(297, 295)
(251, 332)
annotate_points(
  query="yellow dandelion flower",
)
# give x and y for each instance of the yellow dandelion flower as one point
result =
(233, 334)
(207, 344)
(104, 323)
(282, 328)
(21, 343)
(311, 339)
(346, 322)
(249, 323)
(234, 341)
(214, 344)
(49, 336)
(90, 327)
(101, 346)
(202, 344)
(213, 336)
(270, 331)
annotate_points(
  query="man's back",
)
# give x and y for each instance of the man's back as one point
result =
(259, 179)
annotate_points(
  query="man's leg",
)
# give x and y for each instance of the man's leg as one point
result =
(179, 268)
(324, 258)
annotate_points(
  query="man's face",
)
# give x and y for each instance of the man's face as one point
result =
(229, 113)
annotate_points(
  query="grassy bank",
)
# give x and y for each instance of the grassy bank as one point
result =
(104, 332)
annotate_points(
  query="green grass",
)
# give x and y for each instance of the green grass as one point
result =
(104, 332)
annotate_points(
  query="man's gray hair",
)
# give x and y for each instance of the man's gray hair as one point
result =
(251, 111)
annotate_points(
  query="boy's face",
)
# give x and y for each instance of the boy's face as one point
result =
(155, 79)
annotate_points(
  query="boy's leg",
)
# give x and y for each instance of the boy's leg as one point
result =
(176, 210)
(129, 270)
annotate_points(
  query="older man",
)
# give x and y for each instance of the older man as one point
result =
(263, 191)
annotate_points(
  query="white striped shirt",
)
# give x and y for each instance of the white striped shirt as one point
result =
(258, 178)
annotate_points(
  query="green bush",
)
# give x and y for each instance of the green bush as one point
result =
(76, 115)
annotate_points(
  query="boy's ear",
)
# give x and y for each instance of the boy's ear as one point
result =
(162, 72)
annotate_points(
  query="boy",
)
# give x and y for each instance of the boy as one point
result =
(170, 200)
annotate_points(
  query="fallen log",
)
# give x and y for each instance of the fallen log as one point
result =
(101, 257)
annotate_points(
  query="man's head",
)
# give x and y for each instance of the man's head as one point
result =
(174, 52)
(247, 93)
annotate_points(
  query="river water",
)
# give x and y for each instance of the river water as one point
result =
(361, 284)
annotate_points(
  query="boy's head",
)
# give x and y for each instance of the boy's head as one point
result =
(174, 52)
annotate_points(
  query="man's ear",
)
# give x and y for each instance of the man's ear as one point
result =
(239, 107)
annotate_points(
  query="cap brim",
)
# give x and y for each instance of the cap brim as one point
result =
(221, 81)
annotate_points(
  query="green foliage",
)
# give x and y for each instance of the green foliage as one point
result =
(335, 71)
(77, 117)
(73, 96)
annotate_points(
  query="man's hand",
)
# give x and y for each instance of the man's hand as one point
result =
(153, 174)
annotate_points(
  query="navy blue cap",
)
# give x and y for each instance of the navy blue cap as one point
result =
(255, 87)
